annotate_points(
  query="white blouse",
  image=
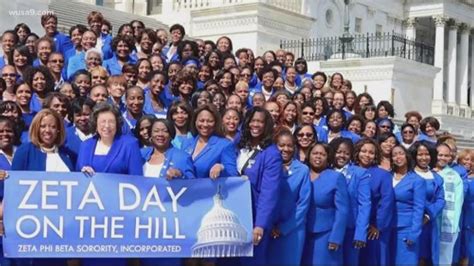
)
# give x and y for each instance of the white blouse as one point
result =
(152, 170)
(54, 163)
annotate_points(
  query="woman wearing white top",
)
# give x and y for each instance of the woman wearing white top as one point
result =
(44, 152)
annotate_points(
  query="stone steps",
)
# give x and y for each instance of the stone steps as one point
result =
(71, 13)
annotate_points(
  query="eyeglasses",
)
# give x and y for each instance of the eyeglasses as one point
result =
(385, 126)
(308, 135)
(245, 75)
(99, 77)
(9, 75)
(308, 113)
(56, 61)
(408, 132)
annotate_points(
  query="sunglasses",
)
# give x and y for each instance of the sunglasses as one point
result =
(384, 126)
(9, 75)
(408, 132)
(308, 113)
(308, 135)
(56, 61)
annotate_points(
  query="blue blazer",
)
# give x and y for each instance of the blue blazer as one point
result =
(460, 170)
(73, 142)
(218, 150)
(175, 158)
(329, 207)
(264, 173)
(468, 207)
(382, 198)
(148, 105)
(358, 187)
(28, 157)
(106, 46)
(75, 63)
(123, 157)
(113, 67)
(63, 42)
(294, 198)
(410, 196)
(324, 134)
(174, 57)
(435, 201)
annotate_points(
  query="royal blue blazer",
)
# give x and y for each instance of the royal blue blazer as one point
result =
(175, 158)
(468, 207)
(410, 196)
(28, 157)
(358, 187)
(329, 206)
(73, 142)
(461, 170)
(63, 42)
(123, 157)
(218, 150)
(113, 67)
(382, 198)
(264, 173)
(75, 63)
(4, 165)
(434, 205)
(294, 198)
(106, 46)
(324, 134)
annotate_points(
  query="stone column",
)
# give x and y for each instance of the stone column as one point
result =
(438, 104)
(452, 62)
(410, 28)
(463, 70)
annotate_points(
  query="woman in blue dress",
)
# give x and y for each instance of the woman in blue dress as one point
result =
(305, 136)
(358, 187)
(260, 160)
(336, 121)
(213, 155)
(155, 99)
(81, 109)
(134, 100)
(286, 247)
(367, 155)
(424, 155)
(410, 196)
(328, 211)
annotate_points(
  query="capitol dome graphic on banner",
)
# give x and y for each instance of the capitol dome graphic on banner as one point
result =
(221, 234)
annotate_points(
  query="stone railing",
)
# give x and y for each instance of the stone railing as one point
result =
(290, 5)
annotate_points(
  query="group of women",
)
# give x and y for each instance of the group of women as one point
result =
(334, 181)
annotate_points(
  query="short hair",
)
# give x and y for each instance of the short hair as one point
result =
(81, 28)
(47, 16)
(246, 139)
(324, 102)
(335, 143)
(100, 69)
(388, 107)
(168, 124)
(48, 40)
(151, 34)
(117, 79)
(383, 137)
(358, 146)
(300, 127)
(320, 73)
(217, 119)
(94, 50)
(178, 27)
(22, 50)
(35, 126)
(284, 132)
(128, 40)
(357, 107)
(182, 44)
(95, 15)
(410, 161)
(11, 32)
(11, 124)
(158, 72)
(181, 77)
(328, 149)
(79, 102)
(55, 95)
(102, 108)
(464, 154)
(266, 69)
(302, 61)
(431, 150)
(411, 114)
(429, 120)
(333, 111)
(240, 51)
(129, 68)
(107, 23)
(31, 72)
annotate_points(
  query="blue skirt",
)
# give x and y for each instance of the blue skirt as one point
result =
(316, 250)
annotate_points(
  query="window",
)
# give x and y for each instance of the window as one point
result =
(358, 25)
(378, 30)
(154, 7)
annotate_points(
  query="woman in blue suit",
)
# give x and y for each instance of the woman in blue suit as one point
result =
(213, 155)
(367, 155)
(162, 159)
(109, 151)
(44, 152)
(424, 154)
(358, 187)
(260, 160)
(81, 108)
(122, 46)
(410, 195)
(286, 247)
(8, 139)
(328, 211)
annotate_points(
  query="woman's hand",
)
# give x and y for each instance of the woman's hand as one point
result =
(216, 170)
(333, 246)
(358, 244)
(2, 228)
(257, 235)
(408, 242)
(88, 171)
(3, 175)
(173, 173)
(373, 233)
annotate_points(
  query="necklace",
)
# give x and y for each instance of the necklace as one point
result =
(49, 150)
